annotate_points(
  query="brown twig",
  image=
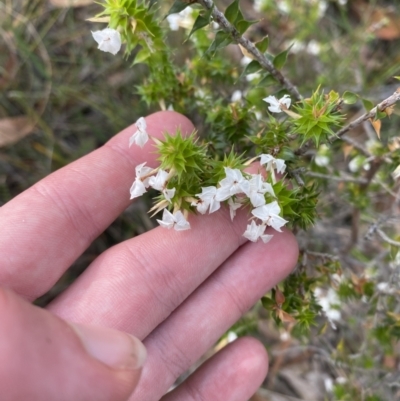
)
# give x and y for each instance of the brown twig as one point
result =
(390, 101)
(337, 178)
(219, 17)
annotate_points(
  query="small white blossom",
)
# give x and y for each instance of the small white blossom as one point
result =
(236, 96)
(245, 61)
(271, 162)
(140, 137)
(396, 173)
(329, 302)
(139, 186)
(233, 206)
(109, 40)
(176, 221)
(234, 183)
(253, 76)
(357, 163)
(322, 156)
(254, 232)
(207, 200)
(231, 337)
(182, 19)
(276, 105)
(159, 182)
(269, 215)
(257, 190)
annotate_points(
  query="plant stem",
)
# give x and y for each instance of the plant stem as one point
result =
(390, 101)
(267, 65)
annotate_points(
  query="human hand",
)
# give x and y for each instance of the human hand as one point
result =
(176, 291)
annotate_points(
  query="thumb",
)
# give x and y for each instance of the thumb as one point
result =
(44, 358)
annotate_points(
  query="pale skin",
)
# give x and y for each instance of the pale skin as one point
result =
(177, 292)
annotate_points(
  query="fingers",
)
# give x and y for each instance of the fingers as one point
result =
(137, 284)
(53, 222)
(214, 307)
(234, 374)
(44, 358)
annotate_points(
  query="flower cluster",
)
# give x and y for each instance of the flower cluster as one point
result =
(236, 188)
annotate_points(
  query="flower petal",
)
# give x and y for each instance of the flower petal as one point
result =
(109, 40)
(181, 223)
(168, 220)
(137, 189)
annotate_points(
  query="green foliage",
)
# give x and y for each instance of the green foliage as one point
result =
(183, 155)
(138, 26)
(318, 116)
(295, 303)
(280, 60)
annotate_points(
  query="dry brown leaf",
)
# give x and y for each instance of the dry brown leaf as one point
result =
(245, 52)
(385, 24)
(70, 3)
(285, 317)
(99, 19)
(279, 297)
(347, 150)
(377, 124)
(12, 129)
(389, 110)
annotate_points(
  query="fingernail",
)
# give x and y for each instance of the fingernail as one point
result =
(114, 348)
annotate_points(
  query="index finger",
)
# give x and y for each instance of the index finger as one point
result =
(48, 226)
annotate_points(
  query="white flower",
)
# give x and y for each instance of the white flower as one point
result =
(139, 186)
(321, 160)
(357, 163)
(276, 105)
(109, 40)
(159, 182)
(234, 183)
(329, 302)
(176, 220)
(271, 162)
(236, 96)
(322, 156)
(269, 215)
(396, 173)
(183, 19)
(140, 137)
(232, 207)
(207, 199)
(253, 76)
(254, 232)
(257, 190)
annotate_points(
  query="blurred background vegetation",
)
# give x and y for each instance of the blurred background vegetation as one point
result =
(60, 98)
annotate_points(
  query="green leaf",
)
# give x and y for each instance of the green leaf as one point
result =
(232, 11)
(380, 115)
(350, 97)
(368, 105)
(221, 40)
(280, 59)
(252, 67)
(177, 7)
(397, 77)
(267, 303)
(201, 21)
(242, 26)
(142, 56)
(151, 3)
(263, 44)
(268, 80)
